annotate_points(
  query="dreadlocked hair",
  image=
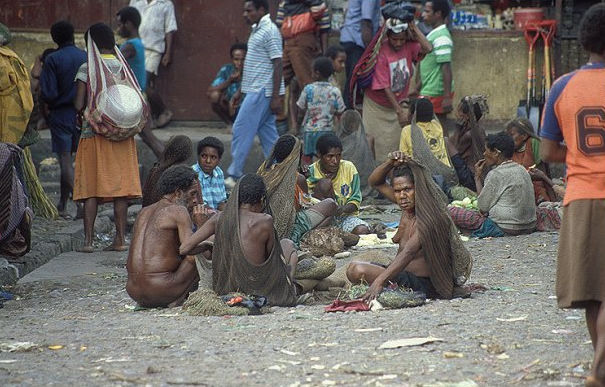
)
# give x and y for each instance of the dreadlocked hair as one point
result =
(474, 114)
(282, 149)
(178, 150)
(434, 228)
(252, 189)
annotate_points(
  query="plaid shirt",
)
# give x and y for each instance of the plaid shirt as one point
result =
(213, 186)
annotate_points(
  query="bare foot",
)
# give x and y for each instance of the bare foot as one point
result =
(113, 247)
(85, 249)
(591, 381)
(163, 119)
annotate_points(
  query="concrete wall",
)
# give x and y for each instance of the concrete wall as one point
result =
(494, 64)
(28, 45)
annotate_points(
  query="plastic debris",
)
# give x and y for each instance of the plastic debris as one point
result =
(18, 346)
(409, 342)
(452, 355)
(512, 319)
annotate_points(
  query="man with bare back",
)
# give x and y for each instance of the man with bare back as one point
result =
(429, 256)
(247, 256)
(158, 276)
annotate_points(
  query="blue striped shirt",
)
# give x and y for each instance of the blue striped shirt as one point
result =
(264, 44)
(213, 186)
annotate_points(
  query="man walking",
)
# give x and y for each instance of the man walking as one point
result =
(58, 90)
(158, 25)
(263, 86)
(575, 115)
(361, 24)
(435, 69)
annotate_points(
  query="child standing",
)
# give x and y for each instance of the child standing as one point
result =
(129, 19)
(212, 180)
(320, 102)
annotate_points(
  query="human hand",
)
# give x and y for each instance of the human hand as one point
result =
(413, 30)
(277, 105)
(397, 158)
(536, 174)
(414, 92)
(373, 291)
(200, 215)
(479, 167)
(446, 104)
(235, 102)
(235, 75)
(402, 117)
(166, 60)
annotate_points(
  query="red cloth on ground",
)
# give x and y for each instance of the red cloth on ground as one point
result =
(343, 306)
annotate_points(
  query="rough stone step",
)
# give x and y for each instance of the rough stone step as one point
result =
(65, 239)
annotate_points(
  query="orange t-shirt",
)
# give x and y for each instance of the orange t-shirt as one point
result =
(575, 113)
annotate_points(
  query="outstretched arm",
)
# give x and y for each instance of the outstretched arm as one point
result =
(402, 260)
(190, 245)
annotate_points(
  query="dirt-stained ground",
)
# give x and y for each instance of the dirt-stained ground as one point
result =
(84, 331)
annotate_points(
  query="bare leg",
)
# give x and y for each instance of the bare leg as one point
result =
(289, 251)
(327, 208)
(598, 364)
(292, 107)
(120, 213)
(67, 181)
(372, 144)
(220, 106)
(154, 143)
(90, 214)
(592, 312)
(358, 272)
(158, 108)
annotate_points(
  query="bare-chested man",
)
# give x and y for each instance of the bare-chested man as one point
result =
(247, 256)
(430, 272)
(158, 276)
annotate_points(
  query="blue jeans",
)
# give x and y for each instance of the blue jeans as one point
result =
(254, 118)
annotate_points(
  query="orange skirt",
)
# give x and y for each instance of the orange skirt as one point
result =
(106, 169)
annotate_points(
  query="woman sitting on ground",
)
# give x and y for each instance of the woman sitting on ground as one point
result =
(506, 196)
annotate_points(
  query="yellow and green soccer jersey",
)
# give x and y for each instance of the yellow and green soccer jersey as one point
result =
(346, 184)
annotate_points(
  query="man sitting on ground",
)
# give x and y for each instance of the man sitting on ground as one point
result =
(331, 177)
(157, 275)
(431, 257)
(227, 82)
(247, 256)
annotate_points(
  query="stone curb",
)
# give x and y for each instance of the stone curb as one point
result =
(66, 239)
